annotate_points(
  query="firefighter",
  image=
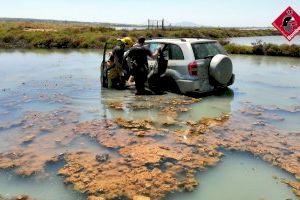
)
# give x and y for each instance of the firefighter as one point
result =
(138, 56)
(116, 73)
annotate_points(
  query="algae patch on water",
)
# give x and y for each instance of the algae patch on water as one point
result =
(141, 166)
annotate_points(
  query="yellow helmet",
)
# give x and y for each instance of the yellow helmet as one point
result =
(127, 40)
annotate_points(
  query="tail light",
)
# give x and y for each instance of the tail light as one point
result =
(193, 68)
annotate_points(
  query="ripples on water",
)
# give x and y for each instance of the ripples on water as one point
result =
(45, 81)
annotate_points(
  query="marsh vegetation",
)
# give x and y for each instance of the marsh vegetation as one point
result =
(68, 35)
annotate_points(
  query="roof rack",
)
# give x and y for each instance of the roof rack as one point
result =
(183, 39)
(153, 38)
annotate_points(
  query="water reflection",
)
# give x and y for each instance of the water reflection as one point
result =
(44, 188)
(240, 176)
(271, 82)
(211, 106)
(267, 39)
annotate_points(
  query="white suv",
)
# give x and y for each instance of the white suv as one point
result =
(194, 65)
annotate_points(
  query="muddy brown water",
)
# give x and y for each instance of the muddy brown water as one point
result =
(41, 91)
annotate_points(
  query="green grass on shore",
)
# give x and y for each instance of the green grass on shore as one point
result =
(264, 49)
(50, 35)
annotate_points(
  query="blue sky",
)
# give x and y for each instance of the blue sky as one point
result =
(203, 12)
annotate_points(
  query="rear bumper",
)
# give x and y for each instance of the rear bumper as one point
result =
(193, 86)
(186, 86)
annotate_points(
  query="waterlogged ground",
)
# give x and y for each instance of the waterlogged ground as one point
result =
(63, 137)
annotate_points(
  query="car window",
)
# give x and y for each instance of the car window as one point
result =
(153, 47)
(175, 52)
(203, 50)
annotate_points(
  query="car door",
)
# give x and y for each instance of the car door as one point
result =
(153, 47)
(177, 66)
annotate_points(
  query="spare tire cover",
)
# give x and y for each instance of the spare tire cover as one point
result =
(221, 69)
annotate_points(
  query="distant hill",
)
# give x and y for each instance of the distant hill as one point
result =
(186, 24)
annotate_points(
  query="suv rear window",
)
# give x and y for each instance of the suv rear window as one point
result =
(203, 50)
